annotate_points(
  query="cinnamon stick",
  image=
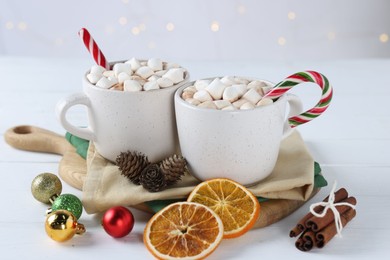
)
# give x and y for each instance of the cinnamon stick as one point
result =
(326, 234)
(318, 223)
(340, 195)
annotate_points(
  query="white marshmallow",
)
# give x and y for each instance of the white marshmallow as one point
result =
(141, 81)
(187, 94)
(247, 105)
(239, 103)
(201, 84)
(96, 69)
(216, 88)
(143, 63)
(155, 64)
(175, 74)
(164, 82)
(256, 84)
(190, 89)
(122, 67)
(94, 78)
(170, 65)
(123, 76)
(106, 82)
(151, 85)
(160, 73)
(153, 78)
(242, 89)
(222, 103)
(202, 96)
(252, 96)
(231, 94)
(134, 63)
(193, 101)
(109, 73)
(144, 72)
(264, 102)
(208, 104)
(266, 89)
(238, 80)
(228, 80)
(132, 85)
(231, 107)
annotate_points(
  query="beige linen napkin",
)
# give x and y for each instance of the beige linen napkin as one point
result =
(104, 186)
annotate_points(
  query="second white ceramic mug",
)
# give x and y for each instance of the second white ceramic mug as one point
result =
(242, 145)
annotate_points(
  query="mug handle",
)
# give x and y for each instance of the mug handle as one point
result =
(62, 108)
(300, 77)
(296, 108)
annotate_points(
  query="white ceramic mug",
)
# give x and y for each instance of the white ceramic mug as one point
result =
(120, 121)
(241, 145)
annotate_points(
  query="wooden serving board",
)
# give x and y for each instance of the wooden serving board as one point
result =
(73, 169)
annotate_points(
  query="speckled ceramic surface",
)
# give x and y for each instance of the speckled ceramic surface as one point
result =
(120, 121)
(242, 145)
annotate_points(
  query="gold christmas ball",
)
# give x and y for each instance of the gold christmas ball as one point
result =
(61, 225)
(45, 187)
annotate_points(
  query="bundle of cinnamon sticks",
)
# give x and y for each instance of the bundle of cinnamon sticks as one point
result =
(316, 231)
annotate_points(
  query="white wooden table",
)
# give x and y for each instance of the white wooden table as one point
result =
(351, 141)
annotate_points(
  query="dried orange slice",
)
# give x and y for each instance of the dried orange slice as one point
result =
(183, 230)
(237, 207)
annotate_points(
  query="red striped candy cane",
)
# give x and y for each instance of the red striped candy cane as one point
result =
(93, 48)
(300, 77)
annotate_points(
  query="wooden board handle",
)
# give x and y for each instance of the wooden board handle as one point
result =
(32, 138)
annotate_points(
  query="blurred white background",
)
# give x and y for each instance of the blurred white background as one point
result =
(280, 30)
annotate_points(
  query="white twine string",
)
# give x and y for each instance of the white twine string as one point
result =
(332, 206)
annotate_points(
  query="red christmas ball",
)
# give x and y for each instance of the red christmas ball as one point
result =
(118, 221)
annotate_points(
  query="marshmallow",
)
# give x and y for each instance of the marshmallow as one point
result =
(266, 89)
(153, 78)
(151, 85)
(106, 82)
(247, 105)
(202, 96)
(143, 63)
(94, 78)
(155, 64)
(227, 80)
(117, 86)
(252, 96)
(264, 102)
(122, 67)
(222, 103)
(231, 107)
(96, 69)
(216, 88)
(187, 94)
(132, 85)
(239, 103)
(231, 94)
(123, 76)
(242, 89)
(201, 84)
(160, 73)
(193, 101)
(164, 82)
(190, 89)
(134, 63)
(238, 80)
(256, 84)
(175, 74)
(141, 81)
(170, 65)
(144, 72)
(109, 73)
(208, 104)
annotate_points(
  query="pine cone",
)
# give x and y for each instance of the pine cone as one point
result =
(131, 164)
(173, 168)
(152, 178)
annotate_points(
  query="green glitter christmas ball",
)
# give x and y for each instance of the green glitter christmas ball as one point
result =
(70, 203)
